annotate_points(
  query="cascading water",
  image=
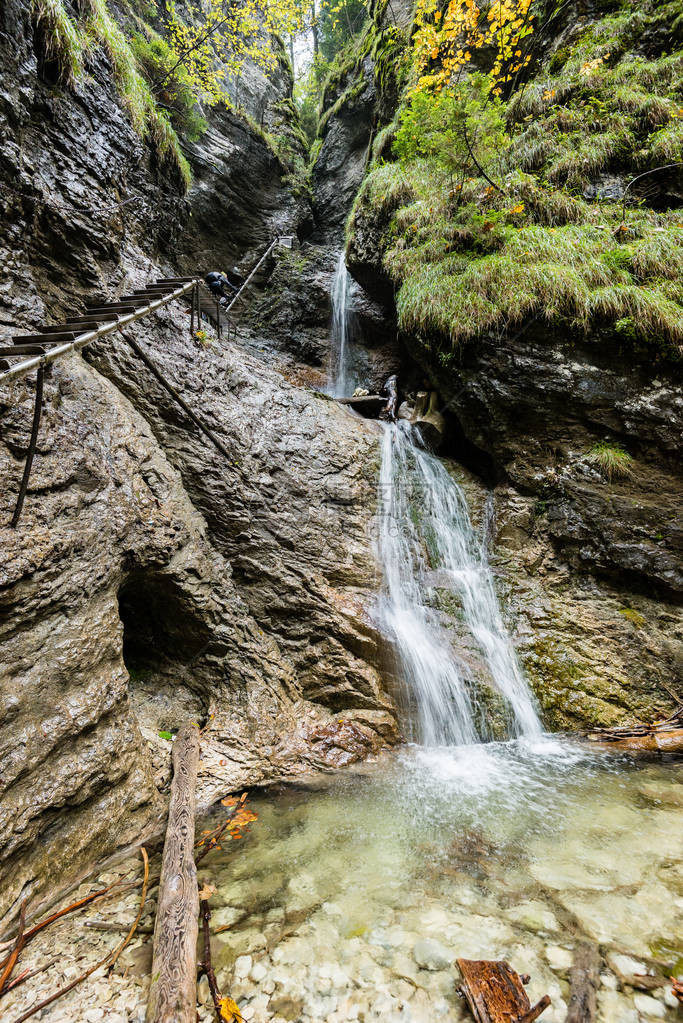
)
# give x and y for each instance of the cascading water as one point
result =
(425, 527)
(340, 378)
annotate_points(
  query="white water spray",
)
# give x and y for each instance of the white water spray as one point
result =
(340, 379)
(425, 528)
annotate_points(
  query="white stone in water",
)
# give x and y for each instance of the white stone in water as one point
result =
(226, 916)
(434, 918)
(609, 981)
(649, 1006)
(559, 959)
(431, 954)
(637, 921)
(403, 966)
(613, 1008)
(258, 972)
(394, 937)
(242, 966)
(339, 978)
(625, 967)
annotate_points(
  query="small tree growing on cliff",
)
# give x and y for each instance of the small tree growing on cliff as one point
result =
(454, 115)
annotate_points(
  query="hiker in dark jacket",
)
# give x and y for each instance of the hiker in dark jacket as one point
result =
(217, 283)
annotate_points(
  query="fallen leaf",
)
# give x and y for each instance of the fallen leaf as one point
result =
(230, 1011)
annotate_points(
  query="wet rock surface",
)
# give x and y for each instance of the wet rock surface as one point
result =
(152, 581)
(141, 590)
(290, 318)
(590, 568)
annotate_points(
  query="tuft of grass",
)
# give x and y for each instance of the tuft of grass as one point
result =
(61, 39)
(611, 460)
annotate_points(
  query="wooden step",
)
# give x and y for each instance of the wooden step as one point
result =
(22, 350)
(78, 326)
(161, 289)
(116, 310)
(67, 335)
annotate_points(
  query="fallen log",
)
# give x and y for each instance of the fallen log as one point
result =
(584, 979)
(172, 994)
(495, 992)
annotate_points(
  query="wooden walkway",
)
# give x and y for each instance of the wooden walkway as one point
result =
(52, 342)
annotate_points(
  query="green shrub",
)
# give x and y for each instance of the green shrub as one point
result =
(155, 59)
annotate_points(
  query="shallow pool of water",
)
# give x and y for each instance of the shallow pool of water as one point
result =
(352, 897)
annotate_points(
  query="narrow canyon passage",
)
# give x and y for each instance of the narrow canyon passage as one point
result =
(341, 561)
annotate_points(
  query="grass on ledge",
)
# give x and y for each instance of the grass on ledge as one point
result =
(468, 260)
(69, 42)
(463, 271)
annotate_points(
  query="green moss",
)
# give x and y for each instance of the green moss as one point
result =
(633, 616)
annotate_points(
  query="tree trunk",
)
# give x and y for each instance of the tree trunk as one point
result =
(314, 28)
(173, 993)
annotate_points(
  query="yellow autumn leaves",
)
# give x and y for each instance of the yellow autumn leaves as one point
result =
(445, 40)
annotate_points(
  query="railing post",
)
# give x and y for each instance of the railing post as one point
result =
(192, 310)
(31, 447)
(219, 332)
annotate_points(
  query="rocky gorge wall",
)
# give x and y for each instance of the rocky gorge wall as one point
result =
(150, 580)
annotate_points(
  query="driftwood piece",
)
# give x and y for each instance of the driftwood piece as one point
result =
(14, 954)
(172, 995)
(206, 965)
(660, 737)
(134, 925)
(495, 993)
(110, 957)
(584, 978)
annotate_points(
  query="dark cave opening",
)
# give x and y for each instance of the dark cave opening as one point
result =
(164, 640)
(160, 624)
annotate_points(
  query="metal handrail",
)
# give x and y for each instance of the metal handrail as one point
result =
(22, 368)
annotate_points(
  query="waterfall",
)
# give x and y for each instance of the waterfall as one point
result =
(425, 528)
(340, 381)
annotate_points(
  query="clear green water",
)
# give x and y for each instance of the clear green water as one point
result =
(337, 897)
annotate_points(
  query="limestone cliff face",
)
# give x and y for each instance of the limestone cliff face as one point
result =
(150, 580)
